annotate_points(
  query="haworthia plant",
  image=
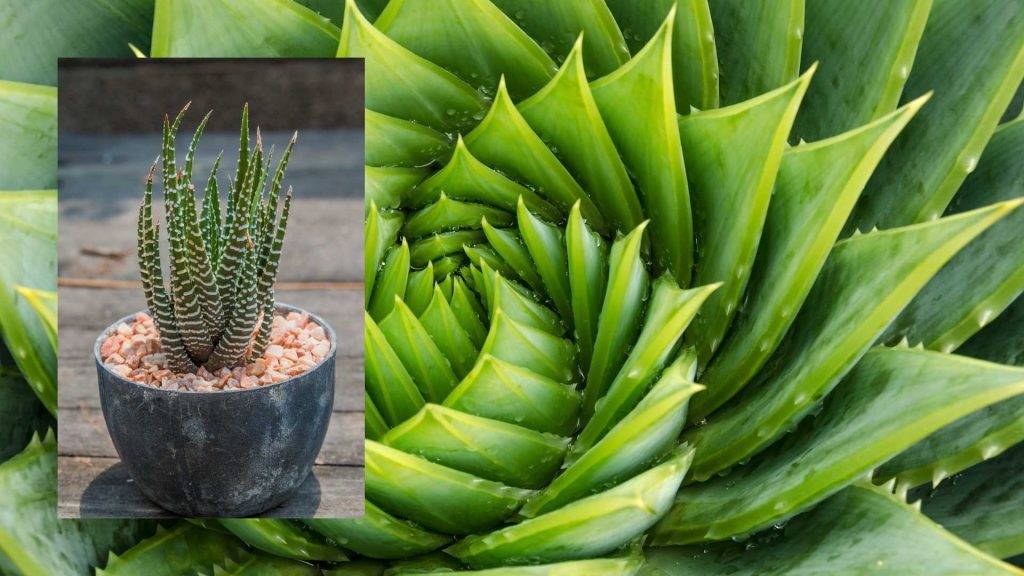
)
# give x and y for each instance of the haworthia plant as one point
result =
(623, 284)
(221, 273)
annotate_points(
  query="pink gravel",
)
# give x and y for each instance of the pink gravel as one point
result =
(133, 351)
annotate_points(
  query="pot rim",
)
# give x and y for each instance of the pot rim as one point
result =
(277, 306)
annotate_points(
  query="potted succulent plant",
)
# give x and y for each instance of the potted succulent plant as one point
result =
(218, 399)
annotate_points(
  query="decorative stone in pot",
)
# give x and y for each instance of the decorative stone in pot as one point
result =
(236, 452)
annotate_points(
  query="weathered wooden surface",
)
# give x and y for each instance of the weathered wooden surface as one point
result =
(323, 263)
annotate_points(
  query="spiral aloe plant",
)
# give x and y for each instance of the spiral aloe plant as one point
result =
(221, 273)
(645, 278)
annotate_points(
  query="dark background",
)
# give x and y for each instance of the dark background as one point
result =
(131, 95)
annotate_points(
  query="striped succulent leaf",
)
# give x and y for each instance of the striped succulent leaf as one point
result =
(221, 274)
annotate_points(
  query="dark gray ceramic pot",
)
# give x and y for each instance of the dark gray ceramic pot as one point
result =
(219, 454)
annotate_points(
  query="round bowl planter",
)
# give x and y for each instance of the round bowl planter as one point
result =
(219, 454)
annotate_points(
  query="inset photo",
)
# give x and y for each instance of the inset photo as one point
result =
(210, 262)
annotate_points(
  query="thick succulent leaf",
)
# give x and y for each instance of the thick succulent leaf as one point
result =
(620, 317)
(225, 28)
(670, 311)
(587, 255)
(502, 391)
(388, 383)
(1001, 341)
(378, 534)
(504, 141)
(389, 187)
(546, 244)
(259, 564)
(450, 214)
(380, 232)
(982, 505)
(451, 338)
(556, 25)
(864, 53)
(21, 413)
(815, 191)
(758, 45)
(444, 244)
(392, 141)
(732, 158)
(374, 425)
(518, 305)
(404, 85)
(589, 527)
(857, 531)
(644, 435)
(436, 496)
(565, 116)
(647, 138)
(419, 290)
(530, 348)
(980, 281)
(45, 305)
(183, 550)
(844, 313)
(32, 539)
(891, 399)
(285, 538)
(468, 311)
(41, 31)
(427, 366)
(467, 178)
(487, 448)
(972, 56)
(508, 244)
(394, 277)
(625, 566)
(28, 145)
(476, 41)
(694, 59)
(29, 233)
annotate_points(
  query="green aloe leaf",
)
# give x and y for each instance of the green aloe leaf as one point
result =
(436, 496)
(478, 44)
(45, 305)
(980, 281)
(388, 383)
(28, 145)
(732, 158)
(514, 301)
(442, 244)
(546, 244)
(758, 46)
(508, 244)
(427, 366)
(844, 313)
(645, 434)
(565, 116)
(487, 448)
(647, 138)
(392, 141)
(381, 231)
(586, 528)
(504, 141)
(389, 186)
(86, 29)
(32, 539)
(891, 399)
(285, 538)
(468, 311)
(587, 255)
(620, 316)
(451, 338)
(670, 311)
(404, 85)
(856, 531)
(509, 393)
(29, 232)
(625, 566)
(972, 56)
(182, 550)
(373, 423)
(816, 189)
(21, 412)
(419, 289)
(694, 59)
(467, 178)
(860, 76)
(982, 505)
(556, 25)
(259, 564)
(274, 28)
(378, 534)
(394, 277)
(530, 348)
(449, 214)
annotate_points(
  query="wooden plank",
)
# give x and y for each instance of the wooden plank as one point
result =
(102, 488)
(84, 433)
